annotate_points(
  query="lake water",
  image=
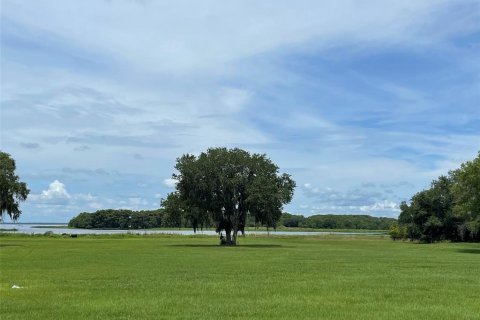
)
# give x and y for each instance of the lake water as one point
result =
(62, 228)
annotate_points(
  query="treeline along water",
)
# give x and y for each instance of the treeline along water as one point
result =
(331, 221)
(119, 219)
(147, 219)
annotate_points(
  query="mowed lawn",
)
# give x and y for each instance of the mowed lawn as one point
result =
(168, 277)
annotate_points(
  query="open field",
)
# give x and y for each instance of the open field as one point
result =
(165, 277)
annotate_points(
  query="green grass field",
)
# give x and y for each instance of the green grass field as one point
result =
(168, 277)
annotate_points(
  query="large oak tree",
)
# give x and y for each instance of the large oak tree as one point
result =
(225, 185)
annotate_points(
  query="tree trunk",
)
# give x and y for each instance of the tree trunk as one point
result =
(228, 241)
(235, 232)
(228, 235)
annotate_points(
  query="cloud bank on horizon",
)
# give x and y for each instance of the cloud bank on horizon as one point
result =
(364, 103)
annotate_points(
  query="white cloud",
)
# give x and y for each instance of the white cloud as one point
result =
(85, 197)
(384, 205)
(354, 201)
(96, 205)
(137, 201)
(56, 190)
(170, 183)
(55, 195)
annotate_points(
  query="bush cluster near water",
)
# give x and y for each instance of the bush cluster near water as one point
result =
(118, 219)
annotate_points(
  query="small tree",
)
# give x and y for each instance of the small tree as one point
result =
(12, 190)
(397, 232)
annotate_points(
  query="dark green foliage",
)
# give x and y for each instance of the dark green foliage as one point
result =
(225, 186)
(177, 213)
(12, 190)
(466, 191)
(429, 217)
(332, 221)
(174, 211)
(291, 220)
(118, 219)
(449, 210)
(84, 220)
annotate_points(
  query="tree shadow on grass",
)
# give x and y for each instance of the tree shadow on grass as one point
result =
(469, 250)
(265, 246)
(2, 245)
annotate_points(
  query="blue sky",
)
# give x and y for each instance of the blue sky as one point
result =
(363, 103)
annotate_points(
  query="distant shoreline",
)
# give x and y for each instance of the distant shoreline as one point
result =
(44, 225)
(36, 228)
